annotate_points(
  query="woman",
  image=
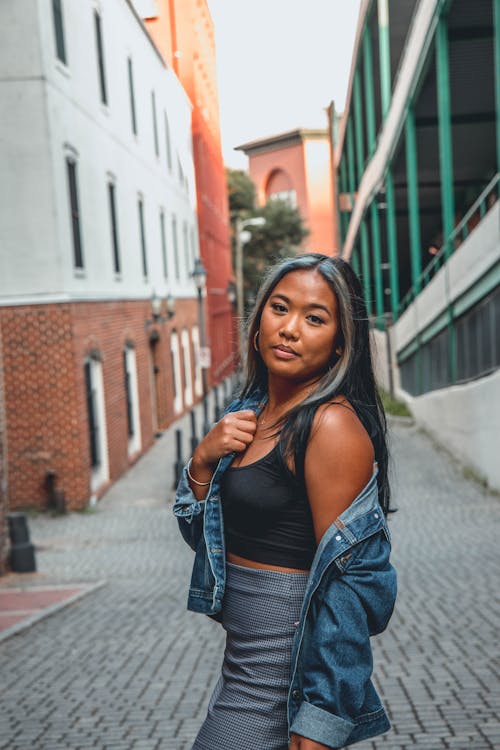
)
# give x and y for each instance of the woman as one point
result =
(284, 501)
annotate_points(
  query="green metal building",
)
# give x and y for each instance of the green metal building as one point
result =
(417, 157)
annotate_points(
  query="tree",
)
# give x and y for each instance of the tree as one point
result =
(279, 238)
(241, 191)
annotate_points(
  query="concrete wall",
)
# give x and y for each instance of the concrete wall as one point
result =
(466, 420)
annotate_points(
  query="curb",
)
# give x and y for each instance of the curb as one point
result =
(18, 627)
(405, 421)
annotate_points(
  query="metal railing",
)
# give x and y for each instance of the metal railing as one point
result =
(478, 211)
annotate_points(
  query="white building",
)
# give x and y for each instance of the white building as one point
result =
(97, 232)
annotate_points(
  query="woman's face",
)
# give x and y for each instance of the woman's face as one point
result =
(299, 327)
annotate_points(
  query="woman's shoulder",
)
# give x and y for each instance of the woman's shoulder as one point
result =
(337, 425)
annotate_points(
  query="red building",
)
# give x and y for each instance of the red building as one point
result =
(296, 166)
(183, 32)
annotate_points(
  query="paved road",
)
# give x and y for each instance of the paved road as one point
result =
(127, 668)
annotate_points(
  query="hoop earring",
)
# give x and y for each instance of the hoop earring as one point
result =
(255, 341)
(338, 354)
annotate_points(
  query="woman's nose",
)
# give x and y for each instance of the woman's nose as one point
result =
(290, 328)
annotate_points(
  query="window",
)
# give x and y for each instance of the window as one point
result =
(155, 124)
(142, 231)
(132, 95)
(100, 57)
(94, 392)
(90, 390)
(288, 196)
(163, 244)
(176, 371)
(132, 399)
(176, 249)
(168, 145)
(477, 350)
(188, 378)
(193, 247)
(57, 13)
(185, 238)
(75, 212)
(114, 227)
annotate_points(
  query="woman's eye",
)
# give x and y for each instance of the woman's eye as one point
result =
(316, 319)
(278, 307)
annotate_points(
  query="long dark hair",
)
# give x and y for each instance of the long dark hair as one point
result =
(350, 374)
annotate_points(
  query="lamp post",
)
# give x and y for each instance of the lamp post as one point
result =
(241, 239)
(199, 275)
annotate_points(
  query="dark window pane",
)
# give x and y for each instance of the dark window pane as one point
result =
(155, 124)
(75, 214)
(59, 30)
(143, 238)
(132, 95)
(176, 248)
(90, 393)
(163, 244)
(168, 145)
(100, 57)
(114, 228)
(128, 396)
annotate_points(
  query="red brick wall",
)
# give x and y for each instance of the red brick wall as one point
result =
(215, 250)
(186, 26)
(46, 412)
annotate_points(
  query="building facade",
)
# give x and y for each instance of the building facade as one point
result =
(183, 31)
(296, 166)
(418, 159)
(98, 238)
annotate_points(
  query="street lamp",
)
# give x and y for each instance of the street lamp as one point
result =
(199, 275)
(242, 238)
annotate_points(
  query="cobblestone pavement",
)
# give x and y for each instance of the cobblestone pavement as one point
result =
(127, 668)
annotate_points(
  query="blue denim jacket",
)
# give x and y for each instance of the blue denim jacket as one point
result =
(349, 597)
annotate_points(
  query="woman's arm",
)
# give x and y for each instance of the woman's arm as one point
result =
(338, 463)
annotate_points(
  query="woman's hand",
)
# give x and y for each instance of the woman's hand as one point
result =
(232, 434)
(303, 743)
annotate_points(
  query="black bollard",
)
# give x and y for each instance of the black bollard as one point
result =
(216, 404)
(22, 551)
(194, 437)
(206, 423)
(179, 463)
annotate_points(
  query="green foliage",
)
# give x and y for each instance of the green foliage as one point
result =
(241, 191)
(279, 238)
(393, 406)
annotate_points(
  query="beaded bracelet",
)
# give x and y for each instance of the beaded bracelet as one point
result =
(195, 481)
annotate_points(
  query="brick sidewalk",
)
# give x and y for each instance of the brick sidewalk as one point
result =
(127, 668)
(22, 607)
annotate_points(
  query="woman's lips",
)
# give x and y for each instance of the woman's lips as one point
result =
(284, 352)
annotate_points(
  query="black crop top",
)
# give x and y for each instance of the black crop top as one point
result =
(266, 518)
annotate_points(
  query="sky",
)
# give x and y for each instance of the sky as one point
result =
(279, 64)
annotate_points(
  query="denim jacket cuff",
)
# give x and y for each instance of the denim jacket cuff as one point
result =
(320, 725)
(186, 505)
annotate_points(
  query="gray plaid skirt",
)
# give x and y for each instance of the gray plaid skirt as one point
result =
(248, 705)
